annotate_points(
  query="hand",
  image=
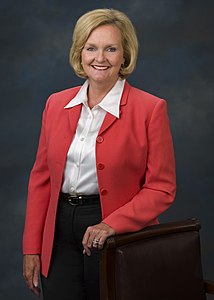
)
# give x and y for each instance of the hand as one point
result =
(98, 233)
(31, 271)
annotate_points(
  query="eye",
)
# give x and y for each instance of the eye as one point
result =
(90, 49)
(111, 49)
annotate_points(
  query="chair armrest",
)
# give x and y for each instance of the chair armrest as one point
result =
(209, 287)
(152, 231)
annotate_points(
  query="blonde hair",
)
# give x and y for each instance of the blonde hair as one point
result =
(98, 17)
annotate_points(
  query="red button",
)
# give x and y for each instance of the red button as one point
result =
(103, 192)
(100, 166)
(100, 139)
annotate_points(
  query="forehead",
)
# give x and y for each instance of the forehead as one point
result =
(105, 33)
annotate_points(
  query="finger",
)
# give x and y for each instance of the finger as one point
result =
(86, 250)
(88, 238)
(29, 282)
(104, 234)
(95, 233)
(95, 243)
(36, 291)
(102, 238)
(36, 278)
(91, 236)
(33, 285)
(101, 242)
(31, 271)
(28, 276)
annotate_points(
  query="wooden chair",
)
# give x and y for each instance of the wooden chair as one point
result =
(160, 262)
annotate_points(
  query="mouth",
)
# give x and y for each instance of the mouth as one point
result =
(100, 68)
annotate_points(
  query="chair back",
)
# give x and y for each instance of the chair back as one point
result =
(160, 262)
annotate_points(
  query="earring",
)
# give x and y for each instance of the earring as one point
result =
(123, 64)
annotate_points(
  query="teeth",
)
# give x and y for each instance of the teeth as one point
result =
(100, 67)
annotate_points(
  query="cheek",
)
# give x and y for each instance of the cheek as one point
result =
(118, 64)
(119, 60)
(86, 59)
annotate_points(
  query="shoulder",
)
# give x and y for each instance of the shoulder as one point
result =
(140, 98)
(141, 104)
(61, 98)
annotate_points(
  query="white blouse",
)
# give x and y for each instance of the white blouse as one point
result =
(80, 169)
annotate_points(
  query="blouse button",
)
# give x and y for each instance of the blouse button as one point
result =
(103, 192)
(100, 166)
(100, 139)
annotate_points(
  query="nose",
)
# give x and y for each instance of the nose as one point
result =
(100, 56)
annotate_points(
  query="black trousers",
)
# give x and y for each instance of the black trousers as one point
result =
(72, 275)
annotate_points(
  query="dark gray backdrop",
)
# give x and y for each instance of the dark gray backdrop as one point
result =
(175, 62)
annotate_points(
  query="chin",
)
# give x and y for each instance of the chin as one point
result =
(100, 79)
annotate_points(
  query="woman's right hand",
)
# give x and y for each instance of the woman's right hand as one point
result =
(31, 272)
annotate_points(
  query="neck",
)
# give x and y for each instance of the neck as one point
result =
(96, 92)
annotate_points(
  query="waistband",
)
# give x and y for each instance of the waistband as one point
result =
(79, 199)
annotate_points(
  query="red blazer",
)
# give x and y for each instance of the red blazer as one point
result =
(135, 167)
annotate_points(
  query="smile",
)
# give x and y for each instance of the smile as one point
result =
(100, 68)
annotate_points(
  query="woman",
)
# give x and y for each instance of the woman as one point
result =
(105, 162)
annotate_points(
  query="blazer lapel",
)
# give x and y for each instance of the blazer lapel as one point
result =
(66, 133)
(109, 119)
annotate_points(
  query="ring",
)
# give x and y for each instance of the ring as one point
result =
(95, 241)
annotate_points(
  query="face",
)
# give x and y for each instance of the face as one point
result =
(102, 55)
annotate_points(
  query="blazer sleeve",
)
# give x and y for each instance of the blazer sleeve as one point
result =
(38, 196)
(159, 187)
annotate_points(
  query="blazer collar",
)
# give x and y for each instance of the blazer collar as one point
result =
(109, 118)
(74, 112)
(110, 103)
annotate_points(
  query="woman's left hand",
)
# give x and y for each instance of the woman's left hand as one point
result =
(95, 237)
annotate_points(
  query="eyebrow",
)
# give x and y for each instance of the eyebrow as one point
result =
(93, 45)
